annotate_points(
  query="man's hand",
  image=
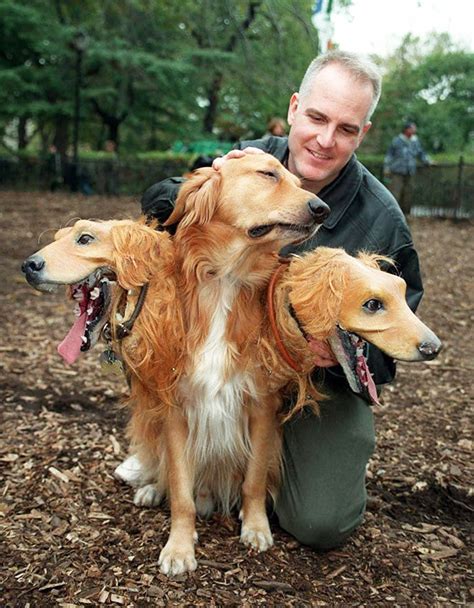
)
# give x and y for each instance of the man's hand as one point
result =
(218, 162)
(324, 357)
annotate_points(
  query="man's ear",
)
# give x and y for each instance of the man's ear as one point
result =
(292, 108)
(362, 134)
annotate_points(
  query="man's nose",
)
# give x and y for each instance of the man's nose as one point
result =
(326, 138)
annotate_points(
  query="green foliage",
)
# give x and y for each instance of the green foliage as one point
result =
(430, 82)
(155, 72)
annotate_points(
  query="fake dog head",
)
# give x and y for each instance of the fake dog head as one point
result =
(253, 204)
(91, 258)
(349, 301)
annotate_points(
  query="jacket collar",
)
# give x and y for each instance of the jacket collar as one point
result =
(340, 193)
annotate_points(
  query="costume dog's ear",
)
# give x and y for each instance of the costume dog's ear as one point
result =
(138, 250)
(377, 261)
(316, 285)
(197, 199)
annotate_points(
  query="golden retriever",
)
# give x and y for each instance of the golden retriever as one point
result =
(231, 225)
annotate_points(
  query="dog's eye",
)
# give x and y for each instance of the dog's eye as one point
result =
(271, 174)
(373, 305)
(85, 239)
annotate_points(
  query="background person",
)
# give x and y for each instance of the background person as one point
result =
(276, 126)
(322, 498)
(400, 164)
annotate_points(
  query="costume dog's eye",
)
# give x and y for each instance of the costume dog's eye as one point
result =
(373, 305)
(271, 174)
(85, 239)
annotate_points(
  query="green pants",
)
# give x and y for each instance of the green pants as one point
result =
(322, 498)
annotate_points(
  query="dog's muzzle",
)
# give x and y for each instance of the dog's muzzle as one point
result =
(32, 268)
(318, 209)
(430, 349)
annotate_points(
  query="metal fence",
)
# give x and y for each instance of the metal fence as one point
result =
(103, 176)
(441, 190)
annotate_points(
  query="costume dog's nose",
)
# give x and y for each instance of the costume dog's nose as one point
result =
(33, 265)
(319, 209)
(430, 348)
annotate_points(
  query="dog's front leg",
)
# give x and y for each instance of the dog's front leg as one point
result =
(177, 556)
(264, 440)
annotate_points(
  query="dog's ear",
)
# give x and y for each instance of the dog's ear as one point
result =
(138, 252)
(316, 286)
(197, 199)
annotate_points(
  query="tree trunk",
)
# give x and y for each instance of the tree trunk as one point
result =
(22, 134)
(113, 127)
(213, 97)
(61, 136)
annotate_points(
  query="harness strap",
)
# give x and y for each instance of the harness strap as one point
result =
(122, 330)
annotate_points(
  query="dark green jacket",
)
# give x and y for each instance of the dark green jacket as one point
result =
(364, 216)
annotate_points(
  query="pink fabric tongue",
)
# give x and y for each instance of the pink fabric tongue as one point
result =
(365, 372)
(70, 347)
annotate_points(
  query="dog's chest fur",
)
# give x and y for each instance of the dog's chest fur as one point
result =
(216, 388)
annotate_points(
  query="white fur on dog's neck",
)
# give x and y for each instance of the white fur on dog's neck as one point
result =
(214, 393)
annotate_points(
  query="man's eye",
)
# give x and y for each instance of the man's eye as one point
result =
(272, 174)
(85, 239)
(373, 305)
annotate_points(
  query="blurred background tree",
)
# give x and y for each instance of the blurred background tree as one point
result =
(156, 72)
(432, 83)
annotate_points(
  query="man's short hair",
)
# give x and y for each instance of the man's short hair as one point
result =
(361, 69)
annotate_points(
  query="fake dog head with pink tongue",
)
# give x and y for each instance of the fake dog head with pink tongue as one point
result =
(351, 304)
(81, 257)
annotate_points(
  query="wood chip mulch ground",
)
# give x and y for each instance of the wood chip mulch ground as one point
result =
(71, 536)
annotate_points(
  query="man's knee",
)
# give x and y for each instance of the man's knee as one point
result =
(321, 533)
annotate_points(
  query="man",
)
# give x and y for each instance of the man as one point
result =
(323, 496)
(400, 164)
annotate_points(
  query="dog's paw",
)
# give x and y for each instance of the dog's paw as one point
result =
(148, 496)
(204, 505)
(129, 471)
(257, 536)
(177, 558)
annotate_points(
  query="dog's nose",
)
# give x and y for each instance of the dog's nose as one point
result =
(430, 348)
(319, 209)
(33, 265)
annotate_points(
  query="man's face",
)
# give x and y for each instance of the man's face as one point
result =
(327, 125)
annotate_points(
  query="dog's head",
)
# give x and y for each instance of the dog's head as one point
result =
(251, 202)
(349, 301)
(126, 249)
(91, 258)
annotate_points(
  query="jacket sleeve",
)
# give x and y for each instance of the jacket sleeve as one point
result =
(390, 155)
(425, 159)
(158, 201)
